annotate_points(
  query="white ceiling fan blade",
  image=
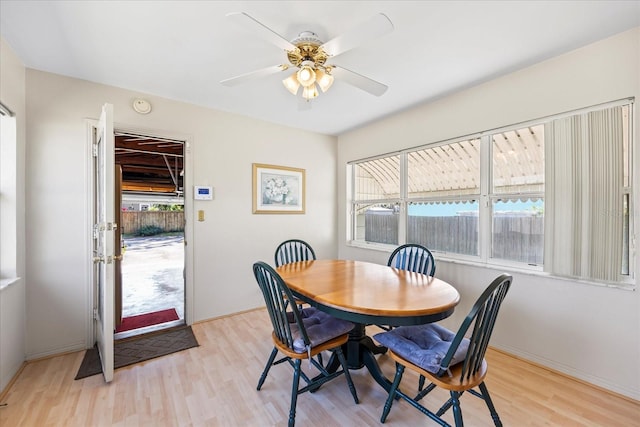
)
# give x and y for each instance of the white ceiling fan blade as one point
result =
(243, 78)
(375, 26)
(359, 81)
(262, 30)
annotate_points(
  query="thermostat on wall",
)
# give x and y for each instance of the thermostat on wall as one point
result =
(201, 192)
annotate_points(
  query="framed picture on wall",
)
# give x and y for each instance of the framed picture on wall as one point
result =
(278, 189)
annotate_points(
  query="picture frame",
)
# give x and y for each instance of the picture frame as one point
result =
(278, 189)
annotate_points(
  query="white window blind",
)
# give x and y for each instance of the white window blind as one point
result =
(586, 165)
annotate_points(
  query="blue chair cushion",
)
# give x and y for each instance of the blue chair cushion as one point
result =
(320, 326)
(423, 345)
(304, 313)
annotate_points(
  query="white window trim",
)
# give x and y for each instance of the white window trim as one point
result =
(8, 208)
(485, 202)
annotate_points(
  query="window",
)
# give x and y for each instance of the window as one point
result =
(443, 189)
(8, 194)
(517, 195)
(375, 207)
(554, 194)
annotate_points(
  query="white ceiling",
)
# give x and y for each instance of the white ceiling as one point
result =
(182, 49)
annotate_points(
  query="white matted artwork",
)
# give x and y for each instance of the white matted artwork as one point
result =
(278, 189)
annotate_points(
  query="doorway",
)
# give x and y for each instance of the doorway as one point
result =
(151, 293)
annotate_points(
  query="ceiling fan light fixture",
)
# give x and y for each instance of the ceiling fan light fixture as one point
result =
(292, 84)
(324, 80)
(309, 92)
(306, 75)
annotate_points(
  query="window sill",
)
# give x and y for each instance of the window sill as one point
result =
(530, 271)
(381, 247)
(625, 286)
(5, 283)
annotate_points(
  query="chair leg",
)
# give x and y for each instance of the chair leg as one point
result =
(421, 383)
(266, 368)
(444, 408)
(489, 402)
(457, 412)
(345, 368)
(424, 392)
(392, 392)
(294, 392)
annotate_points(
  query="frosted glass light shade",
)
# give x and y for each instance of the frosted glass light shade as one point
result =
(291, 83)
(306, 76)
(309, 92)
(324, 80)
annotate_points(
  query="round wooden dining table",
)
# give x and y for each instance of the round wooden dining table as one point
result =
(367, 293)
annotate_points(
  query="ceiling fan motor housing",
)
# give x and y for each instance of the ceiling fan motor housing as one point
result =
(308, 48)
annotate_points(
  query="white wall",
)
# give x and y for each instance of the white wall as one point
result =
(12, 298)
(587, 331)
(222, 148)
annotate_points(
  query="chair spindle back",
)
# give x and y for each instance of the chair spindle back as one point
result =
(484, 312)
(413, 257)
(293, 250)
(277, 297)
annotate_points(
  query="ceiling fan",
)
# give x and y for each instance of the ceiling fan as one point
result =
(309, 56)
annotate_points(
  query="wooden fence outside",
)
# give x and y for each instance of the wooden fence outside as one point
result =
(454, 234)
(517, 238)
(132, 221)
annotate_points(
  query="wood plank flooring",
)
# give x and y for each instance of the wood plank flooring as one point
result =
(215, 385)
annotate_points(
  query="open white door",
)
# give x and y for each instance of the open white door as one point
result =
(104, 229)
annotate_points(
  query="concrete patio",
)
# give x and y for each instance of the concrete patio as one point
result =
(152, 275)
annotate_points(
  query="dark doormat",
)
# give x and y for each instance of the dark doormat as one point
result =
(138, 349)
(147, 319)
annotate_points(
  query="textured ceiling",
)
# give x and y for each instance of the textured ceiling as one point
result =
(182, 49)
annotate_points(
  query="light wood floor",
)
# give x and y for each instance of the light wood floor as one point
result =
(215, 385)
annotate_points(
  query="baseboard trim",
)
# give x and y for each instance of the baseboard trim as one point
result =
(224, 316)
(57, 352)
(566, 375)
(5, 391)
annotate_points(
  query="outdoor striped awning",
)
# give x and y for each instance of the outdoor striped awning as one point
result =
(453, 169)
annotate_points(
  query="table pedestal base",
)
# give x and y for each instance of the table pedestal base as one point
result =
(360, 352)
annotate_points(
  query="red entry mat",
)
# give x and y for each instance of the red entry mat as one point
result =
(147, 319)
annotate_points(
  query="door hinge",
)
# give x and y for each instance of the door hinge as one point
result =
(94, 150)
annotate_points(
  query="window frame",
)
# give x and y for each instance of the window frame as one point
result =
(493, 196)
(475, 196)
(353, 202)
(8, 197)
(486, 198)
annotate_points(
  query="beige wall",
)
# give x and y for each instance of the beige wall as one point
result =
(12, 297)
(220, 153)
(587, 331)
